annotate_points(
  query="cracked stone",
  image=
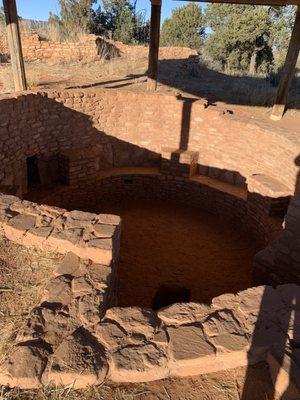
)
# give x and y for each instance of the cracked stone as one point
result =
(188, 342)
(134, 320)
(79, 360)
(58, 291)
(183, 313)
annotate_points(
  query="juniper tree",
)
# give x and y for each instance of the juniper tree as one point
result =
(244, 37)
(185, 28)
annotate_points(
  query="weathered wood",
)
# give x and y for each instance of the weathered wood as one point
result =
(252, 2)
(288, 71)
(154, 44)
(14, 43)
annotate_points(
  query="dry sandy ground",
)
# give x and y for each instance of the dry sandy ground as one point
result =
(219, 386)
(178, 245)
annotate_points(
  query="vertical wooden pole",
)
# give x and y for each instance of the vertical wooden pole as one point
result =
(14, 43)
(288, 71)
(154, 44)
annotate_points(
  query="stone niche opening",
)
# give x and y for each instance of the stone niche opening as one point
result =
(33, 173)
(170, 294)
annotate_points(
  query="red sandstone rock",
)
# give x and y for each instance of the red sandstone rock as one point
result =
(24, 367)
(70, 265)
(52, 326)
(183, 313)
(81, 286)
(267, 186)
(103, 231)
(7, 200)
(58, 291)
(78, 361)
(112, 335)
(225, 332)
(36, 236)
(134, 320)
(16, 227)
(88, 309)
(108, 219)
(139, 363)
(188, 342)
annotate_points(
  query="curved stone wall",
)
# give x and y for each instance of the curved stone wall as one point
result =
(128, 129)
(150, 184)
(132, 128)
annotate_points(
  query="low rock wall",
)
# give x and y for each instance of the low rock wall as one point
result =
(74, 338)
(89, 48)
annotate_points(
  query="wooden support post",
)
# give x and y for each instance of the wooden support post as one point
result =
(288, 71)
(154, 44)
(14, 43)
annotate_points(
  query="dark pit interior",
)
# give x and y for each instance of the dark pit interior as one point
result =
(175, 253)
(170, 251)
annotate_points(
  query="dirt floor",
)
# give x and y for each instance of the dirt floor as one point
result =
(23, 274)
(219, 386)
(174, 245)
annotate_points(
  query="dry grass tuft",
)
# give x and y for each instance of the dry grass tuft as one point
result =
(103, 392)
(23, 274)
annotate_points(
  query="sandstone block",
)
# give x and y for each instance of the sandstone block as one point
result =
(81, 286)
(70, 265)
(134, 320)
(183, 313)
(58, 291)
(139, 363)
(18, 225)
(51, 326)
(24, 367)
(225, 331)
(188, 342)
(108, 219)
(89, 308)
(78, 361)
(103, 231)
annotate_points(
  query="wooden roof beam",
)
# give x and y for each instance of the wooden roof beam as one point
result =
(14, 44)
(288, 71)
(154, 44)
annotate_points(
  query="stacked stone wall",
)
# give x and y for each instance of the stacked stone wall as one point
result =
(89, 48)
(135, 344)
(133, 128)
(122, 185)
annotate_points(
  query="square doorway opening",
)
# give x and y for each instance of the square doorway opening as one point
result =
(33, 175)
(170, 294)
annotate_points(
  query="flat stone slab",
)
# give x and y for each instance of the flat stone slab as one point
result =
(267, 186)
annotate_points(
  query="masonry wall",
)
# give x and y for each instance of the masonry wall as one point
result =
(35, 48)
(131, 129)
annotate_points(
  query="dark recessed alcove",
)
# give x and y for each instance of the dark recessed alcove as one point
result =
(33, 174)
(170, 294)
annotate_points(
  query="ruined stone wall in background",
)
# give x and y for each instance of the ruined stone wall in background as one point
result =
(90, 48)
